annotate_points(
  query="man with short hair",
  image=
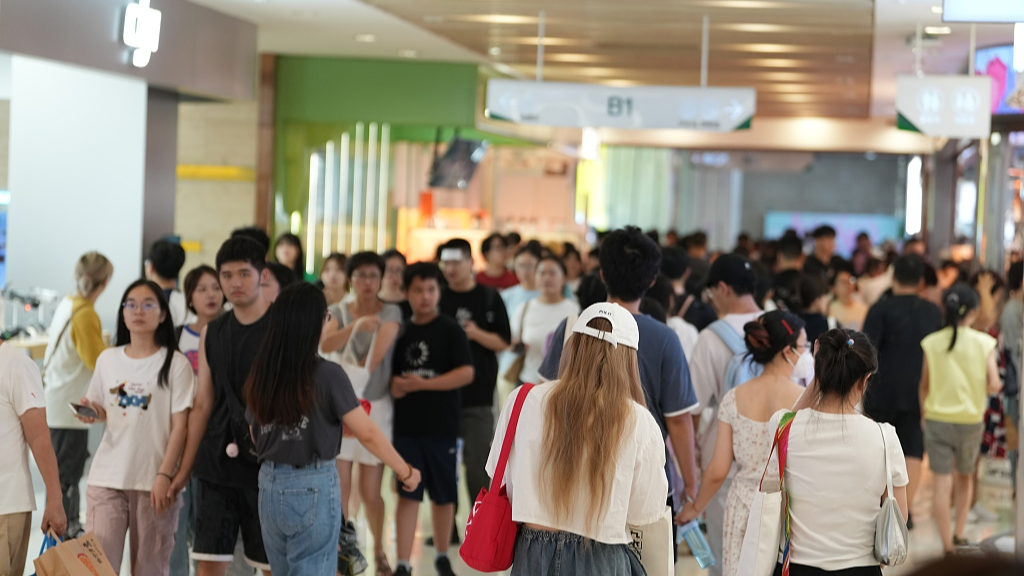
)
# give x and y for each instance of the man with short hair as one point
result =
(227, 490)
(824, 256)
(731, 283)
(896, 325)
(480, 311)
(675, 265)
(629, 266)
(788, 268)
(163, 265)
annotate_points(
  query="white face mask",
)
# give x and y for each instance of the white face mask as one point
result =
(803, 370)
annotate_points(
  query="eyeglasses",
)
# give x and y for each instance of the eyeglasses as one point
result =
(365, 277)
(394, 271)
(146, 306)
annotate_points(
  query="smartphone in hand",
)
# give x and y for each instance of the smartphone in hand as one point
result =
(84, 411)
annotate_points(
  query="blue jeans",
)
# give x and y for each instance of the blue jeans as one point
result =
(540, 553)
(300, 513)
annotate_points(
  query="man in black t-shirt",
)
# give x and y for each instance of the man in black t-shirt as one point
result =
(432, 362)
(824, 256)
(481, 313)
(787, 272)
(896, 324)
(226, 477)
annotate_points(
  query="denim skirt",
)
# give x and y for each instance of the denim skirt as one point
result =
(542, 553)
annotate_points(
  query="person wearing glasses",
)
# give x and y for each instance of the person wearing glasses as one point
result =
(143, 390)
(367, 327)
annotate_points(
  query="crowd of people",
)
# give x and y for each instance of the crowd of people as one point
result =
(253, 412)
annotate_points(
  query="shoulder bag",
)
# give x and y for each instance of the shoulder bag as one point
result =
(890, 528)
(515, 371)
(768, 527)
(60, 337)
(490, 542)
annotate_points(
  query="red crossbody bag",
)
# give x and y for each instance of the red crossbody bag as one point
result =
(490, 542)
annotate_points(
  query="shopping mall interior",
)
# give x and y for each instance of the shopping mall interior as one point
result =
(369, 125)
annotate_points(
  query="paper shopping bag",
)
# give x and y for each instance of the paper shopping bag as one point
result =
(79, 557)
(653, 544)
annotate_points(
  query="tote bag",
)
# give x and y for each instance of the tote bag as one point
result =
(890, 529)
(358, 375)
(652, 543)
(768, 522)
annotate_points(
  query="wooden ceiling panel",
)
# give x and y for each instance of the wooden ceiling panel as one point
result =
(804, 57)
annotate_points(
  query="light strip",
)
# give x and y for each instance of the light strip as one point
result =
(314, 176)
(915, 196)
(357, 188)
(343, 184)
(382, 187)
(371, 186)
(328, 196)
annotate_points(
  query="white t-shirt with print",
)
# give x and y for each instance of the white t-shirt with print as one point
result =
(21, 389)
(708, 364)
(188, 343)
(835, 475)
(138, 415)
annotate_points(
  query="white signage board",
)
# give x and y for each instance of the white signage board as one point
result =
(1009, 11)
(635, 107)
(950, 106)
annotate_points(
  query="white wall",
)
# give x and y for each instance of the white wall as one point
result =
(77, 165)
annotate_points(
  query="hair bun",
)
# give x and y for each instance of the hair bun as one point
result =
(757, 336)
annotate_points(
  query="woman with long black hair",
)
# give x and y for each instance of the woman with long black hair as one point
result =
(143, 390)
(297, 404)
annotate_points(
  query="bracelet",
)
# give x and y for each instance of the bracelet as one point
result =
(168, 476)
(407, 476)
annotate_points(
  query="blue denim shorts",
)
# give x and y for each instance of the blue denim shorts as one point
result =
(540, 553)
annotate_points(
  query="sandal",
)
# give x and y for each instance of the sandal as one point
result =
(381, 562)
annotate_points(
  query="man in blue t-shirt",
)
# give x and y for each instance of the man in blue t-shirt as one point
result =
(630, 262)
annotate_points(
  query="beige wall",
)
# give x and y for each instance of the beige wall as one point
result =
(206, 211)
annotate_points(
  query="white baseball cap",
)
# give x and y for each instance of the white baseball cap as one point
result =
(624, 329)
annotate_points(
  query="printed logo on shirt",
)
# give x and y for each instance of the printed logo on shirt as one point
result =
(463, 315)
(417, 354)
(128, 400)
(193, 359)
(288, 433)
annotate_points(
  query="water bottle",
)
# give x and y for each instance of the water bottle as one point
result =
(698, 545)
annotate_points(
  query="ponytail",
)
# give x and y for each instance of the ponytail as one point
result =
(958, 301)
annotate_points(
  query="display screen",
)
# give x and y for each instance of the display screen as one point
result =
(982, 11)
(880, 227)
(455, 169)
(997, 63)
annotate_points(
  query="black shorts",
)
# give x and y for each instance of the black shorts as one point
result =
(220, 511)
(908, 429)
(437, 461)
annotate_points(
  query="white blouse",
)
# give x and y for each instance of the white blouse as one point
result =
(639, 488)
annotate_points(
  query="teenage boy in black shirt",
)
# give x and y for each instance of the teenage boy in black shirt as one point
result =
(896, 325)
(227, 491)
(432, 361)
(481, 313)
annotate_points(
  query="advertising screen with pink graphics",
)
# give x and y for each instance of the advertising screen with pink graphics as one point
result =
(879, 227)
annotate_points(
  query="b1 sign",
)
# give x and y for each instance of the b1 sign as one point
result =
(951, 106)
(1009, 11)
(634, 107)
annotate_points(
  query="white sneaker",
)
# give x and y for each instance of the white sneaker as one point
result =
(981, 514)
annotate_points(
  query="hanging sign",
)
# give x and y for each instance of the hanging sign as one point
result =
(634, 107)
(949, 106)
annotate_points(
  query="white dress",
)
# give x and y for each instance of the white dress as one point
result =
(751, 442)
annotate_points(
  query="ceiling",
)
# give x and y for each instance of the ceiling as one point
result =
(804, 57)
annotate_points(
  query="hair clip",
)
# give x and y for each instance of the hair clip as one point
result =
(786, 326)
(963, 310)
(850, 342)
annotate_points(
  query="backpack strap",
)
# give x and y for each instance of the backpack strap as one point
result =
(732, 339)
(510, 435)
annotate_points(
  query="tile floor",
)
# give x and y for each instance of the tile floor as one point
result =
(925, 544)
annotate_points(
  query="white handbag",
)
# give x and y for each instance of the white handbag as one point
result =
(890, 528)
(768, 513)
(358, 375)
(653, 545)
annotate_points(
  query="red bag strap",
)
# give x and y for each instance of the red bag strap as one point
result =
(510, 435)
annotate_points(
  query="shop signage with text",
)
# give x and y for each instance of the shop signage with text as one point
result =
(632, 107)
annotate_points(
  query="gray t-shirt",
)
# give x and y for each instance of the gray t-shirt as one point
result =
(318, 436)
(379, 385)
(1011, 328)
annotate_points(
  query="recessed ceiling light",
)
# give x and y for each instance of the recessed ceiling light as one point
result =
(367, 38)
(938, 30)
(494, 51)
(936, 9)
(409, 53)
(497, 19)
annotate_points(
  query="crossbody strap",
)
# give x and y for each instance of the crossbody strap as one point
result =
(522, 320)
(888, 464)
(67, 325)
(510, 434)
(781, 443)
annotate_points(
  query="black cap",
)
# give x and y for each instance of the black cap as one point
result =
(735, 271)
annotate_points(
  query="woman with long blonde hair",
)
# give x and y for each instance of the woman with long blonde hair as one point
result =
(587, 459)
